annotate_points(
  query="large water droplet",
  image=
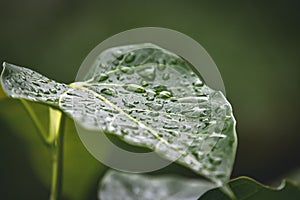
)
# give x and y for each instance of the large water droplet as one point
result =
(170, 126)
(166, 76)
(118, 54)
(160, 88)
(215, 160)
(153, 114)
(116, 62)
(193, 99)
(184, 82)
(53, 91)
(108, 91)
(147, 71)
(198, 83)
(127, 70)
(164, 94)
(195, 112)
(145, 83)
(134, 88)
(127, 104)
(161, 61)
(154, 106)
(101, 77)
(130, 57)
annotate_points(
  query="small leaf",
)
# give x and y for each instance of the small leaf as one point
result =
(248, 189)
(148, 97)
(116, 185)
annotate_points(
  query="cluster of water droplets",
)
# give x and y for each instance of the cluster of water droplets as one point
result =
(159, 102)
(24, 83)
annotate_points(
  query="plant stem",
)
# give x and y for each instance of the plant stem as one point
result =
(57, 161)
(54, 139)
(47, 138)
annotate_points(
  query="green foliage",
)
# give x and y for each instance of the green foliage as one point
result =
(148, 97)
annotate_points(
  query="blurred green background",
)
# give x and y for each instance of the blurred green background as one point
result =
(255, 45)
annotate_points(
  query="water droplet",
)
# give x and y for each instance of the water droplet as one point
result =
(154, 114)
(215, 160)
(160, 88)
(118, 54)
(209, 167)
(108, 91)
(149, 98)
(145, 83)
(130, 57)
(198, 83)
(134, 88)
(127, 70)
(116, 62)
(184, 82)
(147, 71)
(161, 61)
(166, 76)
(218, 135)
(173, 99)
(53, 91)
(219, 174)
(173, 61)
(193, 99)
(101, 77)
(161, 67)
(164, 94)
(199, 154)
(36, 83)
(127, 104)
(154, 106)
(170, 126)
(195, 112)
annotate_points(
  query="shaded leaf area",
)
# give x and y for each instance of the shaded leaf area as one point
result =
(117, 185)
(77, 161)
(2, 94)
(148, 97)
(246, 188)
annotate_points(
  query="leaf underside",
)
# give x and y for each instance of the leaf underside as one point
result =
(116, 185)
(148, 97)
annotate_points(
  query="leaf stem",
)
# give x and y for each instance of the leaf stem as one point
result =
(57, 159)
(46, 138)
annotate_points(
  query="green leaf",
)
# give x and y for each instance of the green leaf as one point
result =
(248, 189)
(148, 97)
(116, 185)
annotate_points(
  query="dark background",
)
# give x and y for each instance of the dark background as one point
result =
(255, 45)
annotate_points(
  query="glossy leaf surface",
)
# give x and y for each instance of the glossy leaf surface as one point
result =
(148, 97)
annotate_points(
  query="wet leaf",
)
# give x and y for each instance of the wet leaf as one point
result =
(148, 97)
(248, 189)
(116, 185)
